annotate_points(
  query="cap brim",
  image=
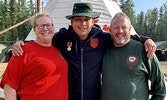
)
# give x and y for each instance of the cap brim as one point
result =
(91, 15)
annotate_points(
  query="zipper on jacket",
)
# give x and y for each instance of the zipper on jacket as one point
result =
(82, 74)
(82, 62)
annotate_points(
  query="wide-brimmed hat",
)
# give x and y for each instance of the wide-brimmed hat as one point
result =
(83, 9)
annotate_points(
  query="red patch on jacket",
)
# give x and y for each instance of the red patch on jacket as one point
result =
(94, 42)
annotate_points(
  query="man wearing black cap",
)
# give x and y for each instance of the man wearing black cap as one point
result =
(83, 46)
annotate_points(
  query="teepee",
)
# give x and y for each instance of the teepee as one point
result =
(58, 9)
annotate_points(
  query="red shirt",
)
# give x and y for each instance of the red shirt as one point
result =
(39, 74)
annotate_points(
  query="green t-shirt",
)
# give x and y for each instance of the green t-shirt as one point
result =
(126, 71)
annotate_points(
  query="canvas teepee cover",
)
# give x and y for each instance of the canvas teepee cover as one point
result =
(58, 9)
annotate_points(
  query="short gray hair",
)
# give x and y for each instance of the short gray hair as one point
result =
(119, 15)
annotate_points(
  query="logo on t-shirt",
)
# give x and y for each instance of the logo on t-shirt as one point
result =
(131, 61)
(61, 56)
(94, 42)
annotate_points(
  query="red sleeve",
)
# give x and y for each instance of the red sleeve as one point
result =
(13, 72)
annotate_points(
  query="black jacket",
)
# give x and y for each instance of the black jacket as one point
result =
(84, 61)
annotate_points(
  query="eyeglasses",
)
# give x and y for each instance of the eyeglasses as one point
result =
(41, 26)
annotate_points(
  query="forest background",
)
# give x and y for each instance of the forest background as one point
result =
(152, 23)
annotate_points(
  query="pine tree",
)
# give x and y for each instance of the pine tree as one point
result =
(164, 25)
(24, 29)
(1, 19)
(13, 18)
(145, 26)
(159, 28)
(153, 22)
(1, 3)
(147, 23)
(11, 13)
(127, 7)
(6, 20)
(32, 9)
(139, 25)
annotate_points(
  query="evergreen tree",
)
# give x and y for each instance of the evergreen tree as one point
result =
(139, 25)
(6, 20)
(11, 13)
(32, 7)
(160, 29)
(145, 25)
(13, 17)
(153, 23)
(164, 26)
(127, 7)
(1, 19)
(1, 4)
(24, 29)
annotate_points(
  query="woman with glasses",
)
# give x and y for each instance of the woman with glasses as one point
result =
(41, 72)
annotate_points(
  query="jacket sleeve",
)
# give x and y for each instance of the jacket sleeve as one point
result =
(54, 39)
(158, 89)
(58, 37)
(139, 38)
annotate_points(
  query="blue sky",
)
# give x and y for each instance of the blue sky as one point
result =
(45, 1)
(147, 4)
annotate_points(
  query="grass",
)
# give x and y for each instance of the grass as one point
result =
(164, 66)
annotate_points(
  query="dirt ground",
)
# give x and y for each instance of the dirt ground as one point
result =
(2, 68)
(164, 66)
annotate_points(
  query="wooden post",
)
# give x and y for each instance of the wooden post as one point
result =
(16, 25)
(39, 6)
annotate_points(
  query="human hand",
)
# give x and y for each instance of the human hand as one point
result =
(17, 50)
(150, 47)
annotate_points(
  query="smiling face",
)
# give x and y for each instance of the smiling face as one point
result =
(44, 35)
(82, 26)
(120, 31)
